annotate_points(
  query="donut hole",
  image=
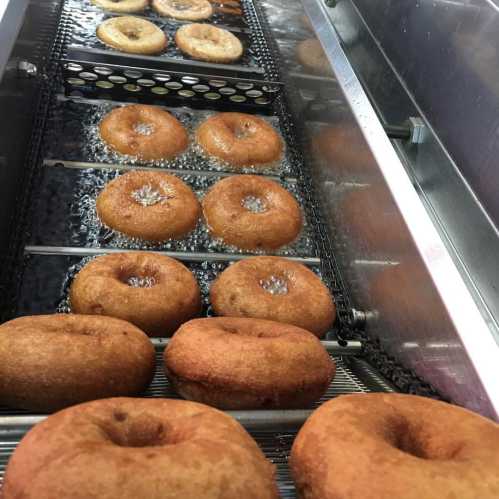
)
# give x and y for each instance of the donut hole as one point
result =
(143, 128)
(139, 278)
(419, 442)
(254, 203)
(182, 5)
(243, 130)
(275, 285)
(140, 433)
(150, 194)
(131, 33)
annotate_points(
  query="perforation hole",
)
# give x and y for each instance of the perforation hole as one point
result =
(131, 73)
(238, 98)
(117, 79)
(254, 94)
(227, 91)
(244, 86)
(88, 76)
(159, 90)
(270, 89)
(217, 83)
(173, 85)
(190, 80)
(100, 70)
(74, 67)
(186, 93)
(132, 88)
(105, 84)
(212, 96)
(161, 77)
(77, 82)
(262, 101)
(201, 88)
(146, 83)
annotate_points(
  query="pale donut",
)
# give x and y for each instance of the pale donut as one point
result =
(185, 10)
(208, 43)
(132, 35)
(124, 6)
(311, 55)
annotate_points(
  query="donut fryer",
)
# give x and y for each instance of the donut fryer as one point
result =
(59, 165)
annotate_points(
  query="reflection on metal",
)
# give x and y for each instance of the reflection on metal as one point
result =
(423, 299)
(27, 69)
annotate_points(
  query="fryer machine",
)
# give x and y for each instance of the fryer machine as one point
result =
(412, 315)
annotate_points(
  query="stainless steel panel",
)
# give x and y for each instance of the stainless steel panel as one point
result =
(421, 308)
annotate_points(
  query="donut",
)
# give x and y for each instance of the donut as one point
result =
(370, 446)
(311, 56)
(233, 363)
(125, 6)
(139, 449)
(185, 10)
(252, 212)
(48, 362)
(148, 132)
(240, 139)
(205, 42)
(277, 289)
(154, 292)
(133, 35)
(153, 206)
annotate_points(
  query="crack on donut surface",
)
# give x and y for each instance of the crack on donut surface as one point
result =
(254, 204)
(275, 285)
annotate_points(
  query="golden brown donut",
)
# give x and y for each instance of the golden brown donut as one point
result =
(154, 292)
(252, 212)
(153, 206)
(133, 35)
(233, 363)
(185, 10)
(277, 289)
(205, 42)
(148, 132)
(124, 6)
(240, 139)
(48, 362)
(372, 446)
(310, 55)
(139, 449)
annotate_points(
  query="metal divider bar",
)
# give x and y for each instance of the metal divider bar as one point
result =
(184, 256)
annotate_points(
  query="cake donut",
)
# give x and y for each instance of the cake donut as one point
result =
(124, 6)
(48, 362)
(240, 139)
(234, 363)
(311, 55)
(154, 292)
(277, 289)
(139, 449)
(148, 132)
(185, 10)
(371, 446)
(133, 35)
(149, 205)
(252, 212)
(205, 42)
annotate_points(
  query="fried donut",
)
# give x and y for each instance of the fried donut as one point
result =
(153, 206)
(237, 364)
(139, 449)
(311, 56)
(125, 6)
(369, 446)
(277, 289)
(154, 292)
(48, 362)
(133, 35)
(252, 212)
(148, 132)
(204, 42)
(185, 10)
(240, 139)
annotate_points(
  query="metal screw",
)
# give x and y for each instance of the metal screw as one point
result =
(27, 69)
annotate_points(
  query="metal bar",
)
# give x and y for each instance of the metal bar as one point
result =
(189, 257)
(114, 166)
